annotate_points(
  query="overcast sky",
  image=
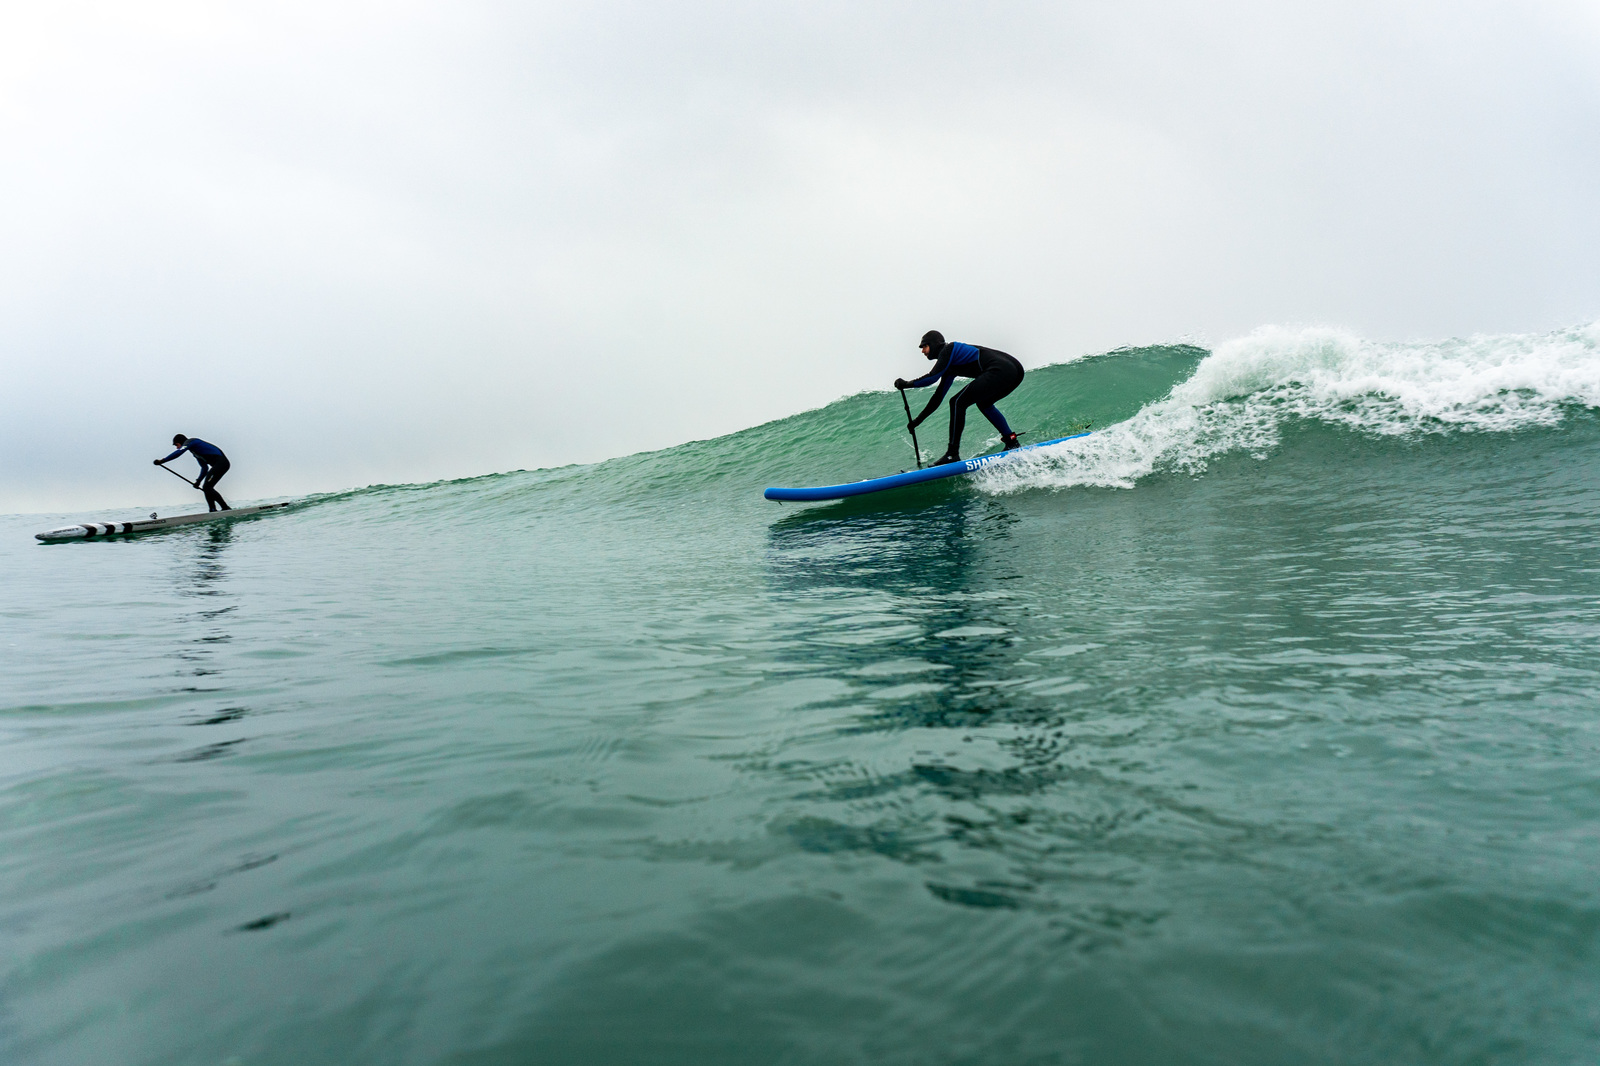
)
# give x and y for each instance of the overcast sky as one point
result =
(364, 242)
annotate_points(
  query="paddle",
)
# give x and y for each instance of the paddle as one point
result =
(914, 446)
(180, 477)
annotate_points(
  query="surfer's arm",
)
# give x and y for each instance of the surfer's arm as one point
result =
(942, 373)
(936, 373)
(933, 404)
(174, 455)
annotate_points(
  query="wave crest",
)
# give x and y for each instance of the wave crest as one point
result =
(1240, 396)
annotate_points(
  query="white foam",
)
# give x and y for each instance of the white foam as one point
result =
(1241, 394)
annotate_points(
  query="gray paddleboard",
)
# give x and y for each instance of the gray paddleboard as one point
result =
(99, 530)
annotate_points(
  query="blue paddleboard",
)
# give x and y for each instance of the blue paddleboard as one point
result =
(910, 477)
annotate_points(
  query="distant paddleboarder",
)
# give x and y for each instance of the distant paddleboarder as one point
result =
(995, 375)
(213, 464)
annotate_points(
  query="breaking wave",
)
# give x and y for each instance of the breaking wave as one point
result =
(1242, 396)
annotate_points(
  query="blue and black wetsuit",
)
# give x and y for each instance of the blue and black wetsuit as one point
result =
(213, 464)
(995, 374)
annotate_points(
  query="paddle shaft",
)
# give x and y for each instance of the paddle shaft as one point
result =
(180, 477)
(914, 445)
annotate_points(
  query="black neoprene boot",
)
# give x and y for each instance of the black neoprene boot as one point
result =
(948, 457)
(1009, 440)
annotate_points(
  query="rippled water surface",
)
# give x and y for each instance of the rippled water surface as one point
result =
(1292, 756)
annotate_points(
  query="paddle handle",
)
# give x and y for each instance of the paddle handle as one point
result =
(914, 446)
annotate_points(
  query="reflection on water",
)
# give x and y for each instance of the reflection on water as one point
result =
(925, 598)
(200, 573)
(922, 612)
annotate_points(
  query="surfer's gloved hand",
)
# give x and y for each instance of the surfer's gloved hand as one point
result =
(902, 384)
(156, 461)
(912, 425)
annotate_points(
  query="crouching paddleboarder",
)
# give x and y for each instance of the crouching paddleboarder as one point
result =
(995, 375)
(213, 464)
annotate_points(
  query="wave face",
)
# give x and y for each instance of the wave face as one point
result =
(1257, 727)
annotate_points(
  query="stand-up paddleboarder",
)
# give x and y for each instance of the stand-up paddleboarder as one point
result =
(995, 375)
(213, 464)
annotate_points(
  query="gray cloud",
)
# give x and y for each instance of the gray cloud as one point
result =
(397, 242)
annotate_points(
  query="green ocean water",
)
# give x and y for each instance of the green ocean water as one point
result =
(1260, 726)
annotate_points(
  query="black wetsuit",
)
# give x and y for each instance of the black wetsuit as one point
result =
(995, 376)
(213, 464)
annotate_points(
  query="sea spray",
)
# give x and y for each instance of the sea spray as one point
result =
(1241, 396)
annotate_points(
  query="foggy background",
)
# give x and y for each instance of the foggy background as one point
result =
(361, 242)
